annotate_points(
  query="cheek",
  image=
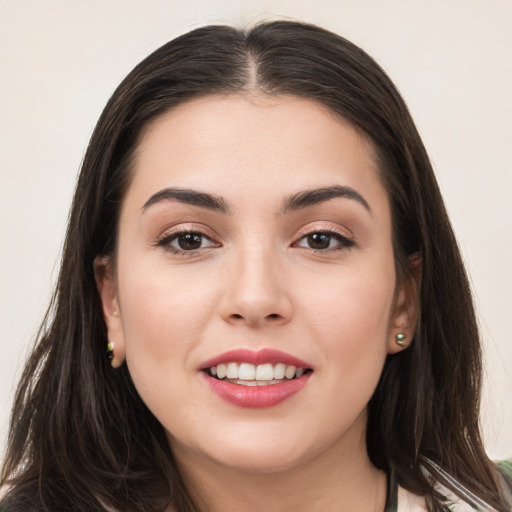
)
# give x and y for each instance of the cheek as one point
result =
(165, 315)
(352, 298)
(163, 312)
(349, 314)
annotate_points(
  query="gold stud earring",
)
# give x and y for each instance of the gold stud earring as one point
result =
(110, 350)
(112, 356)
(400, 339)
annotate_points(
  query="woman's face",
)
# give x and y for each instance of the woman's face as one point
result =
(255, 237)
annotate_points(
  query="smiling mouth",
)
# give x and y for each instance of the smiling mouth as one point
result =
(247, 374)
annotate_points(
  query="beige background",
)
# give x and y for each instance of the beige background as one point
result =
(60, 61)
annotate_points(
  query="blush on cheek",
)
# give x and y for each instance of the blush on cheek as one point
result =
(162, 318)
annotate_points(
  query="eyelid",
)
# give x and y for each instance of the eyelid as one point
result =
(325, 227)
(345, 236)
(163, 240)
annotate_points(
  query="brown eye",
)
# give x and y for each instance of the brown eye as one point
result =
(189, 241)
(319, 241)
(186, 242)
(324, 241)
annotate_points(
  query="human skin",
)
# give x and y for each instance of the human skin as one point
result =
(254, 282)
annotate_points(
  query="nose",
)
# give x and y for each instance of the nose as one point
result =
(256, 291)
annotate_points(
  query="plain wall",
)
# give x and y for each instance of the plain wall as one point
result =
(61, 60)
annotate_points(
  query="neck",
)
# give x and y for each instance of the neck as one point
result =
(341, 479)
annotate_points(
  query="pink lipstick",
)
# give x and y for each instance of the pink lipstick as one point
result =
(266, 355)
(252, 379)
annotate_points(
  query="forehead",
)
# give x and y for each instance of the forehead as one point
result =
(252, 142)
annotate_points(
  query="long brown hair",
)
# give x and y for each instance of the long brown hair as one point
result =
(82, 439)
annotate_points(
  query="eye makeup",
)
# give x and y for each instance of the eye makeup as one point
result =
(324, 241)
(186, 240)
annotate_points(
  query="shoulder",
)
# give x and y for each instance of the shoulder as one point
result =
(459, 498)
(506, 468)
(409, 502)
(451, 494)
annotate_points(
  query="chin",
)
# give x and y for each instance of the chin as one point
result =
(259, 460)
(247, 452)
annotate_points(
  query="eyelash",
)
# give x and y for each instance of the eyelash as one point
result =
(166, 240)
(344, 242)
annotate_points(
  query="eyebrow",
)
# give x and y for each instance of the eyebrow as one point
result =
(294, 202)
(188, 196)
(319, 195)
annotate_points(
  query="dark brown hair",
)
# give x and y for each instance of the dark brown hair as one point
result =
(82, 439)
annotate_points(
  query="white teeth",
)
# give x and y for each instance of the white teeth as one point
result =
(247, 382)
(232, 371)
(265, 372)
(253, 383)
(290, 372)
(246, 371)
(252, 375)
(221, 371)
(279, 370)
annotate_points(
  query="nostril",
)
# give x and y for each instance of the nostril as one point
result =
(252, 318)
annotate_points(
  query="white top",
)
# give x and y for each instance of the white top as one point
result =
(409, 502)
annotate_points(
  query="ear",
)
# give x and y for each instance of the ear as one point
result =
(404, 318)
(107, 290)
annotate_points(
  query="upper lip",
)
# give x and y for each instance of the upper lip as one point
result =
(262, 356)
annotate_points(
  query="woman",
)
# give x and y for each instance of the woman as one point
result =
(258, 238)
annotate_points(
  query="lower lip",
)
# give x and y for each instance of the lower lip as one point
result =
(256, 396)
